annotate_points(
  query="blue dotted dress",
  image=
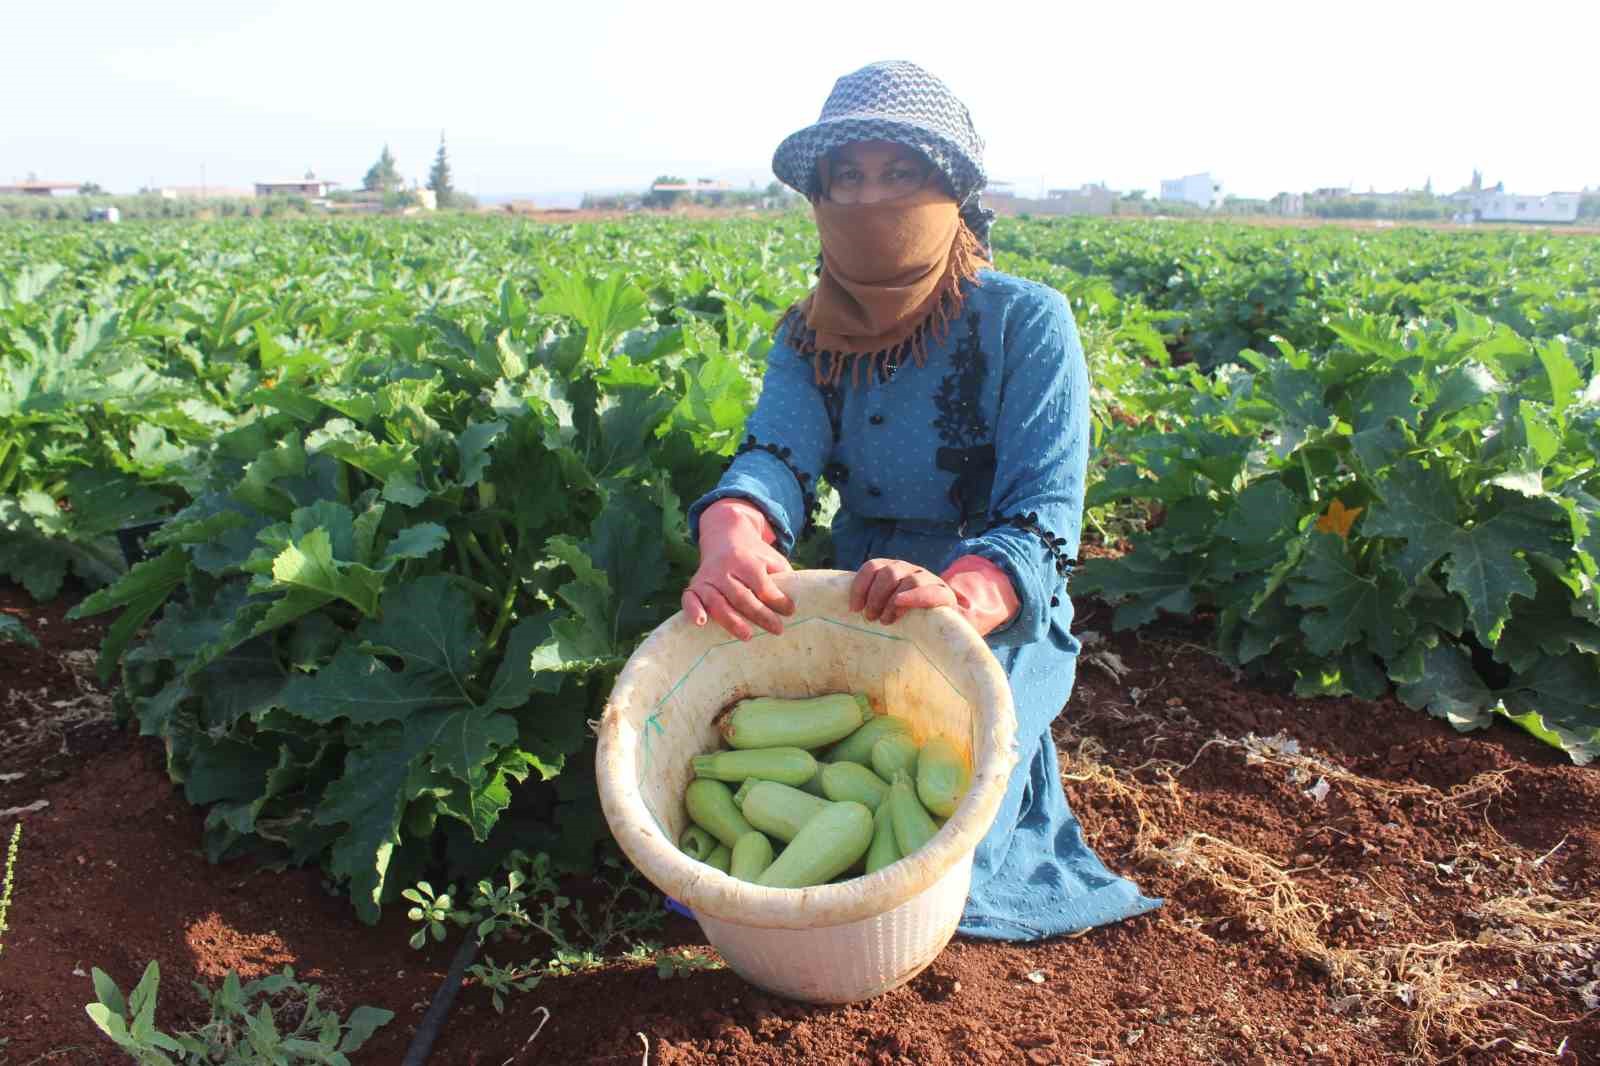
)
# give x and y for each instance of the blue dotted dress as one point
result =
(981, 451)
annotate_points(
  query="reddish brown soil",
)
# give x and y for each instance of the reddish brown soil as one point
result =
(1419, 831)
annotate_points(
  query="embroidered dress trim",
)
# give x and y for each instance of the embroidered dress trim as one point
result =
(808, 498)
(1053, 544)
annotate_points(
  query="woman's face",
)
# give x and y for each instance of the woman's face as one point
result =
(868, 172)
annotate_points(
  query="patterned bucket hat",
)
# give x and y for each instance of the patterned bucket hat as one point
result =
(889, 101)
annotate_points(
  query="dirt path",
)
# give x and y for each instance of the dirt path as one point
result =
(1345, 882)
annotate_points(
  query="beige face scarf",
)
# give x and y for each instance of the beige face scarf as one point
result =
(891, 276)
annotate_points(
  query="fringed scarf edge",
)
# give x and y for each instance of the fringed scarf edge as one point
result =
(966, 259)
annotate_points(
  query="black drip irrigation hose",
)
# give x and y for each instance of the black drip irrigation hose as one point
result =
(443, 1000)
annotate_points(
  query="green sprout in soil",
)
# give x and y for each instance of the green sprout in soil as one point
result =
(275, 1020)
(528, 904)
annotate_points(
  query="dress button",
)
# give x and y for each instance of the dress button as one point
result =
(876, 420)
(873, 490)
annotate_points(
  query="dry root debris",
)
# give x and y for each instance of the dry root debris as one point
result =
(1442, 1005)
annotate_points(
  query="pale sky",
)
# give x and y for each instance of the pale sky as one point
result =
(541, 98)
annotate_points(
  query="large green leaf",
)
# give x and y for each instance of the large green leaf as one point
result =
(1418, 506)
(1142, 585)
(1450, 688)
(1344, 606)
(368, 800)
(140, 593)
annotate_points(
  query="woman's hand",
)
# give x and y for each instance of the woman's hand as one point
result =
(734, 583)
(885, 589)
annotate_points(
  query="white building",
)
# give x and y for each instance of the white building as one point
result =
(1494, 205)
(1200, 189)
(310, 188)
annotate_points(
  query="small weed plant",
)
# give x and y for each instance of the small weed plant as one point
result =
(276, 1020)
(681, 962)
(527, 903)
(5, 887)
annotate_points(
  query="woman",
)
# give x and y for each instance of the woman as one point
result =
(947, 403)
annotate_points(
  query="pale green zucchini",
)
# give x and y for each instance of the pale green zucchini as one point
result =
(942, 776)
(769, 722)
(751, 856)
(857, 747)
(814, 786)
(789, 766)
(711, 807)
(892, 754)
(851, 781)
(912, 826)
(697, 843)
(721, 857)
(883, 849)
(777, 809)
(825, 847)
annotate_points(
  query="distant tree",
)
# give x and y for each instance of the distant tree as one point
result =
(91, 188)
(384, 175)
(664, 197)
(1136, 194)
(439, 176)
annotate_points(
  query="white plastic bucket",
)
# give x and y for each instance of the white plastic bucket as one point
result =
(832, 943)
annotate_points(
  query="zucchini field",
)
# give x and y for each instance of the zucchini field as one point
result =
(322, 542)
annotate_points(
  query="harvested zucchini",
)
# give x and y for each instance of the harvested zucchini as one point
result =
(711, 807)
(857, 747)
(769, 722)
(751, 856)
(697, 843)
(777, 809)
(721, 857)
(814, 786)
(851, 781)
(825, 847)
(789, 766)
(892, 754)
(912, 826)
(883, 849)
(942, 776)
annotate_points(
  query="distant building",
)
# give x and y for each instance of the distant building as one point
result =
(1477, 204)
(1288, 204)
(39, 188)
(692, 188)
(1201, 190)
(1085, 200)
(311, 188)
(204, 192)
(1331, 192)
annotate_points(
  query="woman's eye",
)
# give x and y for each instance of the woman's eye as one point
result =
(848, 175)
(904, 177)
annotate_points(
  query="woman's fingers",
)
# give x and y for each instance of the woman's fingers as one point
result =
(862, 582)
(917, 597)
(724, 614)
(740, 597)
(693, 609)
(884, 583)
(760, 582)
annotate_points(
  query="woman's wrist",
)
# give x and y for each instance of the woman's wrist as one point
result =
(730, 517)
(984, 592)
